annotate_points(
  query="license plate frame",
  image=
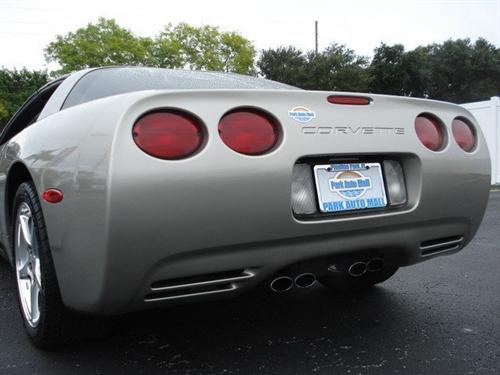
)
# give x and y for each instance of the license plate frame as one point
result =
(350, 187)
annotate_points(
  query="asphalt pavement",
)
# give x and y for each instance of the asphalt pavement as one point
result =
(438, 317)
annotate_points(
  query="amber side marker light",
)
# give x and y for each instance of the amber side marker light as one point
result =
(349, 100)
(52, 195)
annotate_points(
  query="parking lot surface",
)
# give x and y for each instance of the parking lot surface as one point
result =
(438, 317)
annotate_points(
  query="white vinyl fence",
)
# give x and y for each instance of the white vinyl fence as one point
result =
(487, 114)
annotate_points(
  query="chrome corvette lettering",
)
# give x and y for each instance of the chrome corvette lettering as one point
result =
(351, 130)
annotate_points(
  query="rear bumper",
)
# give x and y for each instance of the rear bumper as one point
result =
(249, 265)
(187, 229)
(155, 280)
(222, 213)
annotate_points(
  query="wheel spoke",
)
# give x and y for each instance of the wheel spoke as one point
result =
(21, 243)
(34, 294)
(27, 296)
(37, 275)
(26, 228)
(23, 270)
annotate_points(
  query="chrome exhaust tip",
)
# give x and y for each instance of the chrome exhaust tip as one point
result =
(375, 265)
(281, 284)
(357, 269)
(305, 280)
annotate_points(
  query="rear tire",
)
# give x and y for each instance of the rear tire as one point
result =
(342, 281)
(47, 321)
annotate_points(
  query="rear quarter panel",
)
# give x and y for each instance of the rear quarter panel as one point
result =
(69, 150)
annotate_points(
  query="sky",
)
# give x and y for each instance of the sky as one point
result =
(27, 26)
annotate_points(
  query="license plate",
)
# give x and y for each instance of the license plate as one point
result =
(349, 186)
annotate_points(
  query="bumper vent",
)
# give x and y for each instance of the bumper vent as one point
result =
(199, 285)
(441, 245)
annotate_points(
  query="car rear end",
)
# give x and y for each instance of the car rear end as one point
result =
(326, 176)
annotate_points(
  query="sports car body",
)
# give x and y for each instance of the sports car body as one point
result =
(127, 188)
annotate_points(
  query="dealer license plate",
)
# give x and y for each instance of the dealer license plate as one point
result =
(350, 186)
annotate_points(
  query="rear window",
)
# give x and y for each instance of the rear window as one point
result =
(106, 82)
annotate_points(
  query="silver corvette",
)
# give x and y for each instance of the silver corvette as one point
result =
(130, 188)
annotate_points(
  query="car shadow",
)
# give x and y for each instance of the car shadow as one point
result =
(298, 332)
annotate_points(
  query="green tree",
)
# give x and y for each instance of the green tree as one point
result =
(99, 44)
(4, 114)
(463, 72)
(417, 67)
(335, 68)
(15, 87)
(486, 69)
(181, 46)
(338, 68)
(202, 48)
(394, 71)
(284, 64)
(456, 70)
(451, 69)
(387, 70)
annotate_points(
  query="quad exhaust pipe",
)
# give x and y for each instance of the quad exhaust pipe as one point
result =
(281, 284)
(359, 268)
(285, 283)
(305, 280)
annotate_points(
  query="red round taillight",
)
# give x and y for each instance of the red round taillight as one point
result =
(249, 131)
(168, 134)
(430, 132)
(464, 134)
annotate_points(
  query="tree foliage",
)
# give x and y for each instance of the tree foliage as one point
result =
(335, 68)
(15, 87)
(284, 64)
(462, 71)
(338, 68)
(456, 70)
(202, 48)
(180, 46)
(387, 71)
(99, 44)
